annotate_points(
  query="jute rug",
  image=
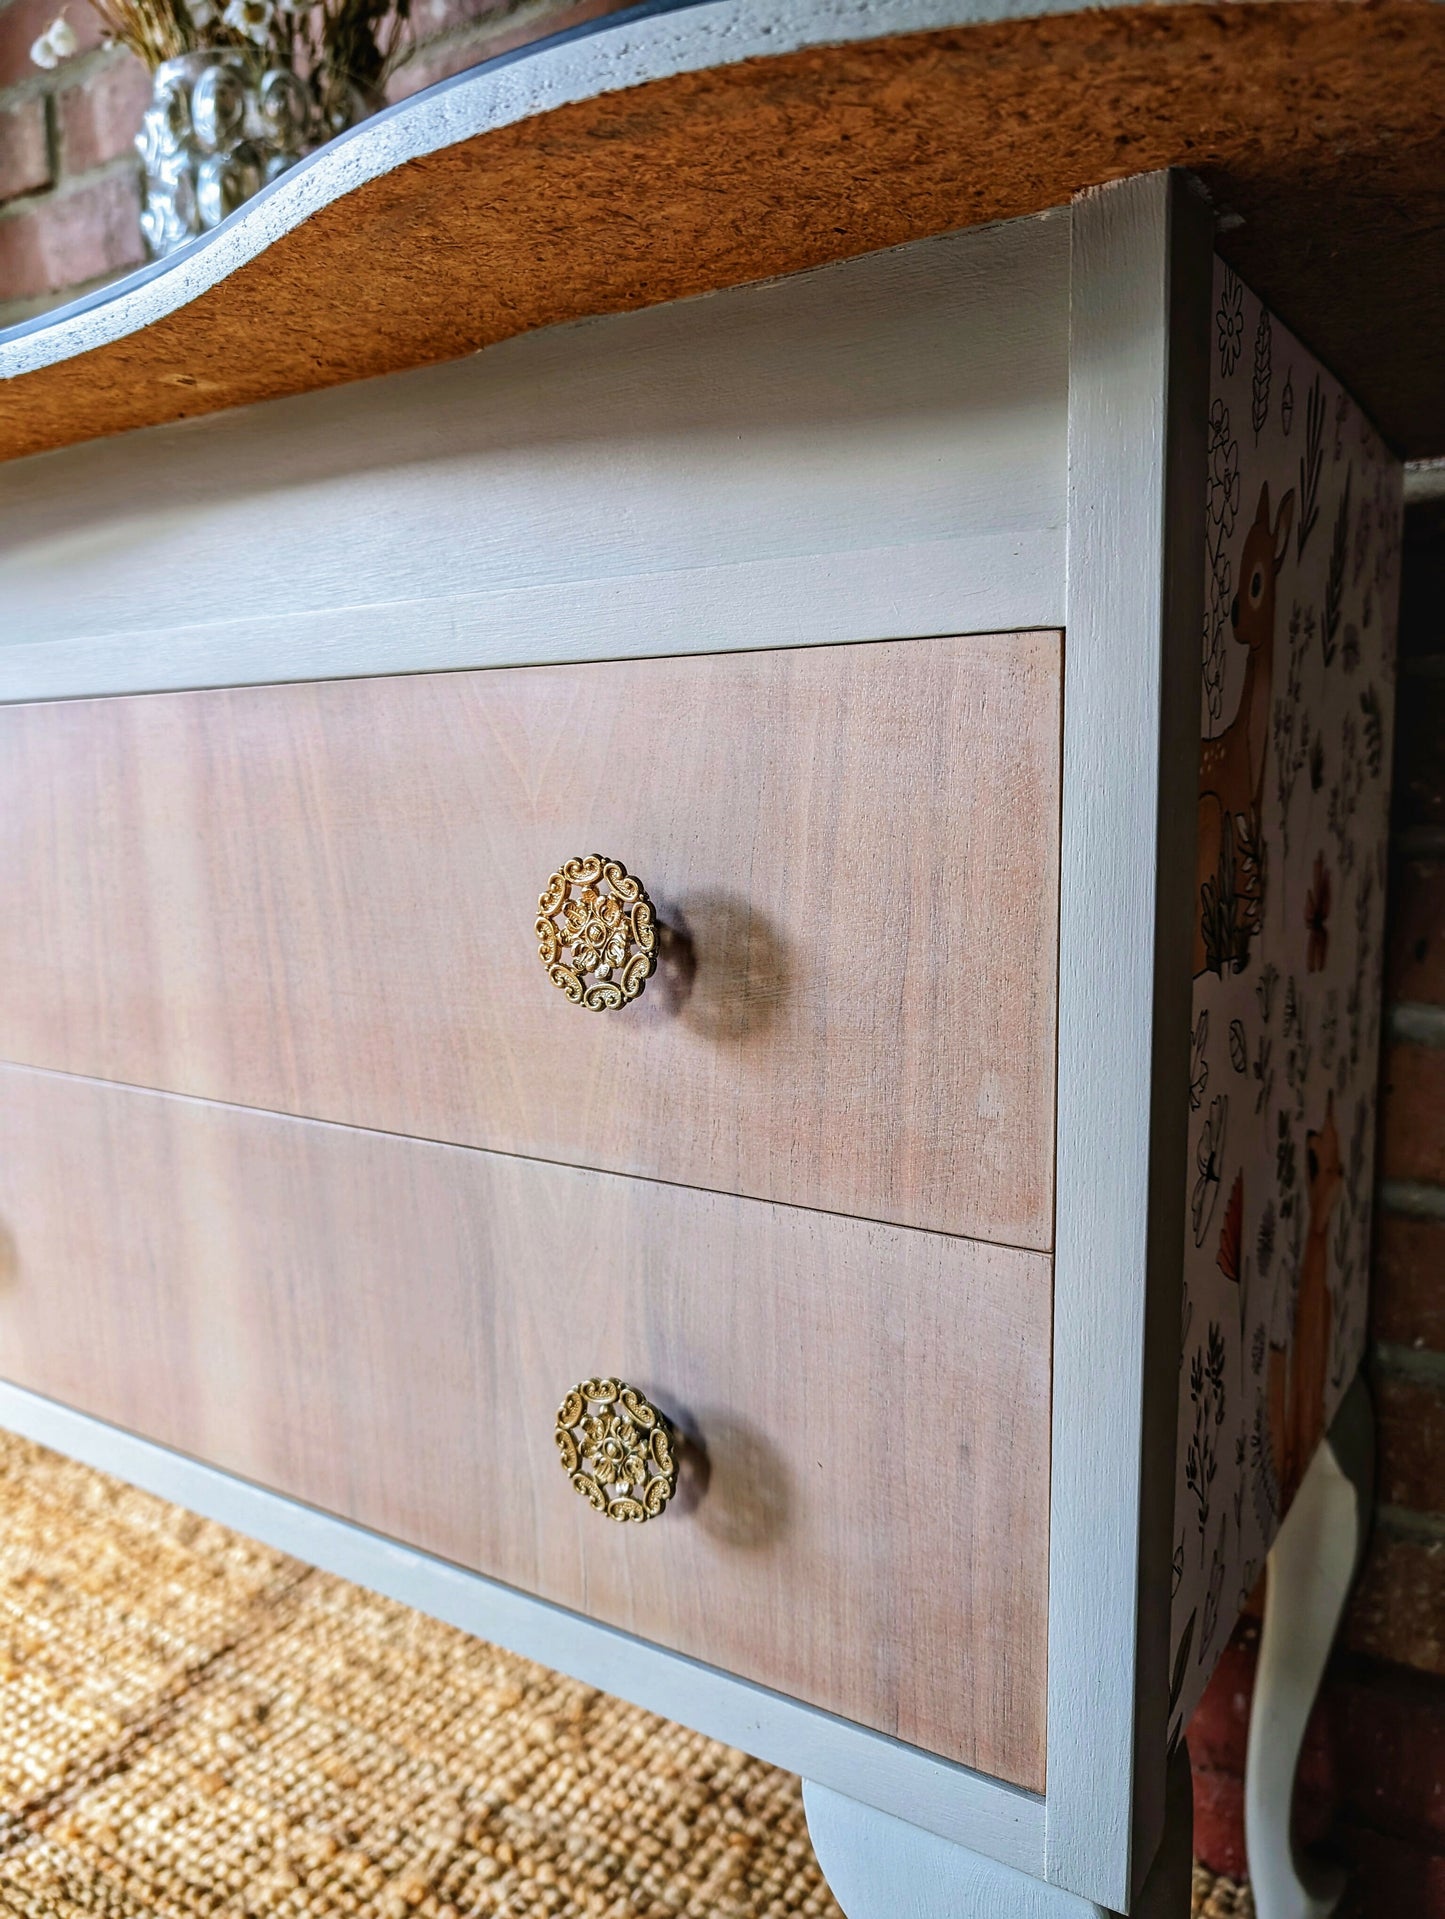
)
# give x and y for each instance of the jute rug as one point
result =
(191, 1724)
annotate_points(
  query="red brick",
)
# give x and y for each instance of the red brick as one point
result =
(24, 149)
(1218, 1736)
(1398, 1610)
(1220, 1727)
(71, 237)
(1417, 932)
(1408, 1288)
(444, 45)
(1389, 1877)
(1410, 1419)
(100, 117)
(1412, 1113)
(1385, 1729)
(1219, 1822)
(23, 21)
(431, 19)
(430, 64)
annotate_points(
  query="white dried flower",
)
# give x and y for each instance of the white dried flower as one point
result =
(251, 17)
(57, 43)
(202, 13)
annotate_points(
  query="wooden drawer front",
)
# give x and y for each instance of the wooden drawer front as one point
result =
(320, 899)
(384, 1328)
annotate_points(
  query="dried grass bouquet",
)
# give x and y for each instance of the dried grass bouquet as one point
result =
(241, 90)
(335, 45)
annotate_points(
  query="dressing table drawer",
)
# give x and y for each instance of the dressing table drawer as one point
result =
(385, 1329)
(320, 899)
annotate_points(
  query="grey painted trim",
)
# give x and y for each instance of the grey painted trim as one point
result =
(964, 1806)
(611, 55)
(878, 1867)
(1000, 583)
(872, 450)
(1140, 304)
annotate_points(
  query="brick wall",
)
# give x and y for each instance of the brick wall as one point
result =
(1373, 1775)
(69, 182)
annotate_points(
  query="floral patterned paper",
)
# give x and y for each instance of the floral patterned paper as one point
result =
(1297, 694)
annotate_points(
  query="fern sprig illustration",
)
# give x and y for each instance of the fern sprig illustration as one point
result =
(1311, 465)
(1335, 580)
(1374, 730)
(1263, 351)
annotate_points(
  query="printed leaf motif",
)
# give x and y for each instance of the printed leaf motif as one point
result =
(1198, 1064)
(1208, 1158)
(1264, 991)
(1295, 696)
(1264, 1253)
(1335, 580)
(1374, 730)
(1311, 465)
(1238, 1046)
(1259, 390)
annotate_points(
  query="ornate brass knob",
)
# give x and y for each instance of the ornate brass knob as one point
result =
(617, 1449)
(597, 933)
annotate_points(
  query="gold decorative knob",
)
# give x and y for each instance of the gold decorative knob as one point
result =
(597, 933)
(617, 1449)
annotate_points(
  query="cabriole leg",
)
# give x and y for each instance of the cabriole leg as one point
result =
(881, 1868)
(1311, 1568)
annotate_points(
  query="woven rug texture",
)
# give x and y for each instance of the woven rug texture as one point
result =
(192, 1724)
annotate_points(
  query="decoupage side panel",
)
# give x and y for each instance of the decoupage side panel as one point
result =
(1297, 695)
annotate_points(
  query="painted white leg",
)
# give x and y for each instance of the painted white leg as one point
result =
(878, 1867)
(1310, 1571)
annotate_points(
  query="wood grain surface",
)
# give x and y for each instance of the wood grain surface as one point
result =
(384, 1328)
(1314, 124)
(319, 899)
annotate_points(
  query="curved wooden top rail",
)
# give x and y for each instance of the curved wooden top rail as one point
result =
(676, 149)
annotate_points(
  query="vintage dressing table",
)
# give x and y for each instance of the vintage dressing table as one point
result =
(702, 990)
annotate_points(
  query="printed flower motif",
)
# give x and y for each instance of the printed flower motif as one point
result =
(57, 43)
(613, 1450)
(1317, 913)
(1208, 1163)
(594, 925)
(251, 17)
(1223, 470)
(1229, 324)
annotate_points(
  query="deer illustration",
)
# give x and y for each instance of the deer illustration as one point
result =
(1297, 1377)
(1231, 765)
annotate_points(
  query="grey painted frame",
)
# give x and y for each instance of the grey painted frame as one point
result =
(1141, 259)
(335, 533)
(1141, 265)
